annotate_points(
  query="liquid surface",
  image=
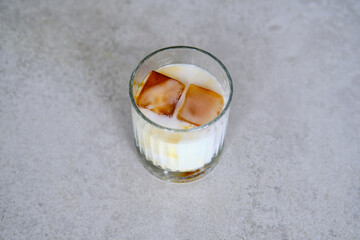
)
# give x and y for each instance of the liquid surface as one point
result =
(187, 74)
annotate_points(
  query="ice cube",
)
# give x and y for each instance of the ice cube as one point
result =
(200, 106)
(160, 94)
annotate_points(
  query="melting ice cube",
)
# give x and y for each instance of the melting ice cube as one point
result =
(200, 106)
(160, 94)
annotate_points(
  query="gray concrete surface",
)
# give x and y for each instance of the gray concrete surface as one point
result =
(291, 165)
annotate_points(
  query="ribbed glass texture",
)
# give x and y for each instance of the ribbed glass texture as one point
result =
(179, 150)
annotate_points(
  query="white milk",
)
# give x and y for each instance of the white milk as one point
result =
(180, 151)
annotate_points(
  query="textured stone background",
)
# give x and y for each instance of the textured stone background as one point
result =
(291, 164)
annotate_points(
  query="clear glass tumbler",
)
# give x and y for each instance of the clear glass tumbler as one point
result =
(179, 155)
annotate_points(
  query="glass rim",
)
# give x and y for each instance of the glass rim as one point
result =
(195, 129)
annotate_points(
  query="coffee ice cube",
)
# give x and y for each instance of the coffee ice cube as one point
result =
(160, 94)
(200, 106)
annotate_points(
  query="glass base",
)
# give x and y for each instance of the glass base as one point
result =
(176, 176)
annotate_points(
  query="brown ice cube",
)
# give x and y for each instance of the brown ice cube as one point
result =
(160, 94)
(200, 106)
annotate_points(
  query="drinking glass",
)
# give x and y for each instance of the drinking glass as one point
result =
(179, 155)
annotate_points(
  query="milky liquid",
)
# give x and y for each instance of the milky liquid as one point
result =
(180, 151)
